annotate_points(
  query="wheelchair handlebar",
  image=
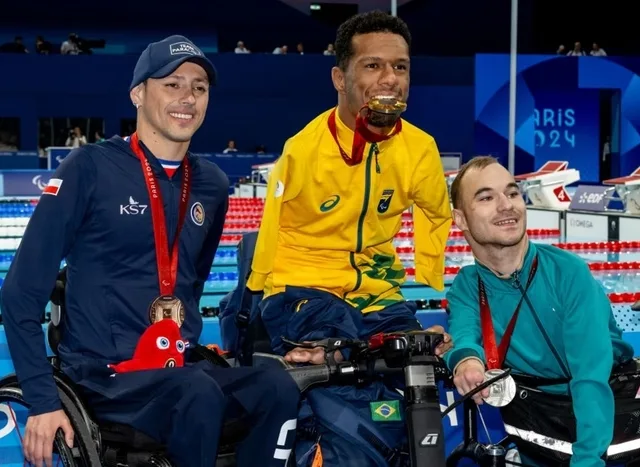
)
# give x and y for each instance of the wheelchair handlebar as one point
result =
(412, 354)
(382, 354)
(310, 375)
(349, 372)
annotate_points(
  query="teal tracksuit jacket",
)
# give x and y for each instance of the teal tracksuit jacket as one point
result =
(576, 315)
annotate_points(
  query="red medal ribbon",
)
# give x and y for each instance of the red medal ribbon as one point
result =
(495, 355)
(362, 136)
(167, 260)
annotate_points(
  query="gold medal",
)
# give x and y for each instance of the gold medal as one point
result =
(167, 306)
(387, 105)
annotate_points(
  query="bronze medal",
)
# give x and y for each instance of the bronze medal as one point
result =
(167, 307)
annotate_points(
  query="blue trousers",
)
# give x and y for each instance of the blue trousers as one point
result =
(306, 314)
(301, 314)
(184, 409)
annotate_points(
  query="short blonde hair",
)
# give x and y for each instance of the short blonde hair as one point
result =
(479, 163)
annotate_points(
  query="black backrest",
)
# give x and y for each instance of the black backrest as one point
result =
(54, 333)
(57, 294)
(257, 339)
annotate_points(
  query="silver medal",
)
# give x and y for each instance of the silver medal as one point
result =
(502, 392)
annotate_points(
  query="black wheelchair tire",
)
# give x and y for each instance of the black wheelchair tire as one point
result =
(84, 446)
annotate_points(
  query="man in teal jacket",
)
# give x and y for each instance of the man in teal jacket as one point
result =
(561, 297)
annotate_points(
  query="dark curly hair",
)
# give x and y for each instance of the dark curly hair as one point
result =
(366, 23)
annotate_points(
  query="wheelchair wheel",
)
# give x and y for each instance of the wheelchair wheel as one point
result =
(83, 453)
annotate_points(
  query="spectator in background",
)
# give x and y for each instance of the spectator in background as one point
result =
(561, 50)
(330, 50)
(8, 141)
(280, 50)
(596, 51)
(15, 47)
(43, 47)
(70, 46)
(241, 49)
(99, 135)
(76, 138)
(300, 48)
(19, 45)
(577, 50)
(231, 147)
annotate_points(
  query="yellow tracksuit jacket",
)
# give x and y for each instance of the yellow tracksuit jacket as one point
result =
(329, 226)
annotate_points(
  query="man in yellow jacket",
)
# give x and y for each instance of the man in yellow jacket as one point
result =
(325, 258)
(336, 195)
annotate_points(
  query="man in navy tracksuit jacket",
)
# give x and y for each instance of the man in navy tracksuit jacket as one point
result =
(97, 213)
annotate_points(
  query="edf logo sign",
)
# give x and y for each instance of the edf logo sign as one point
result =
(590, 198)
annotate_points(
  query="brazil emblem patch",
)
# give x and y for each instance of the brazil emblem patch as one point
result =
(385, 411)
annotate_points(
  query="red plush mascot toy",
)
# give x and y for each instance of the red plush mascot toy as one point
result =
(160, 346)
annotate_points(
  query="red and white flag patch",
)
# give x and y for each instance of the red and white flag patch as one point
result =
(53, 187)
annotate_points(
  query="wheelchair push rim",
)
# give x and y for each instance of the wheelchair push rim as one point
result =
(83, 453)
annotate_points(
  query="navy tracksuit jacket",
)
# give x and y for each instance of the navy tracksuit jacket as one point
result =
(100, 221)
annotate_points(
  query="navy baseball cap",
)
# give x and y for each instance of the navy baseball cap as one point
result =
(160, 59)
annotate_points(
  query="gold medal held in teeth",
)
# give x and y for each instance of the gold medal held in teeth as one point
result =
(167, 306)
(387, 105)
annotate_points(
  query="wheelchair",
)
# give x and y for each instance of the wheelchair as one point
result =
(495, 455)
(99, 443)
